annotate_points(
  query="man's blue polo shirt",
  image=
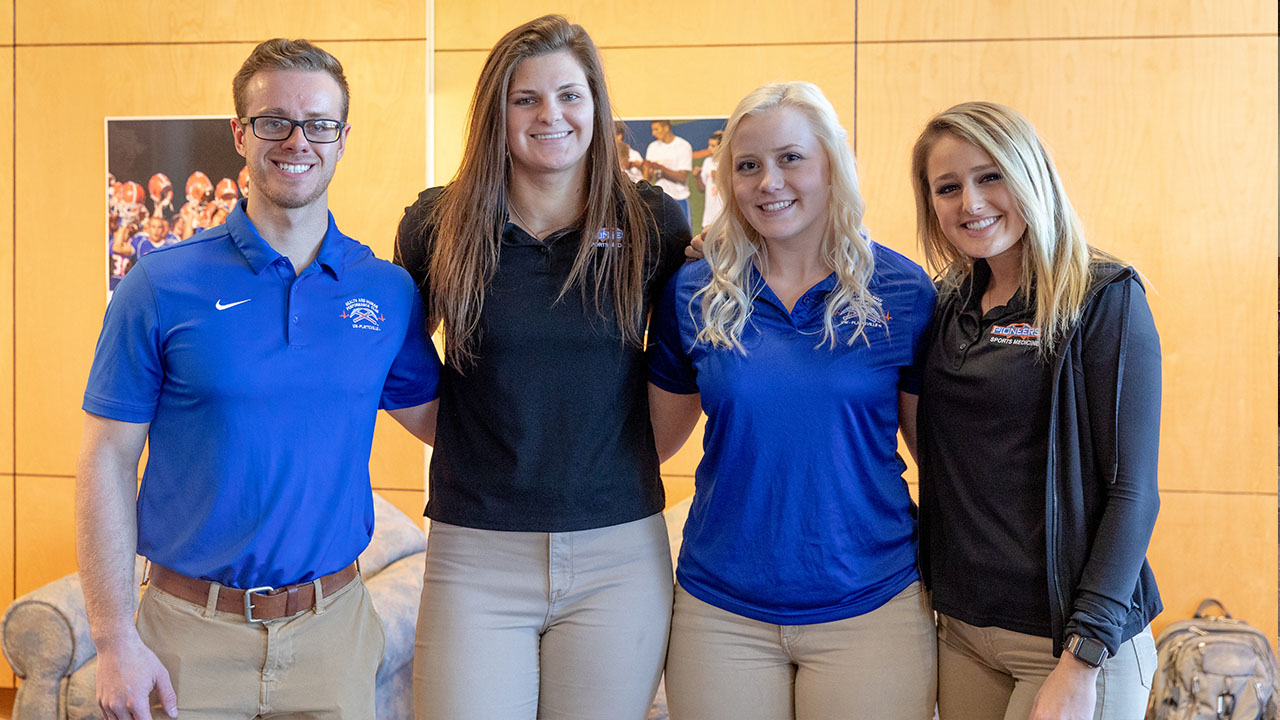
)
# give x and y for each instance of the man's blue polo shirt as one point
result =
(800, 513)
(261, 388)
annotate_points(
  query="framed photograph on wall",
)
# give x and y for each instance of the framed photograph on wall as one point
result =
(686, 145)
(167, 179)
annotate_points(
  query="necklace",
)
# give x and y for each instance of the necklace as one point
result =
(525, 223)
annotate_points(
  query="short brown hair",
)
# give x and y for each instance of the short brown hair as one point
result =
(284, 54)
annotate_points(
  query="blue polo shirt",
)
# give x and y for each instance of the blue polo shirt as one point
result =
(261, 387)
(800, 514)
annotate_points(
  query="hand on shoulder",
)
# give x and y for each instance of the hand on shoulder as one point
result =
(693, 251)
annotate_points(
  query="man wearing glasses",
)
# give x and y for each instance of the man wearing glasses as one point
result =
(254, 358)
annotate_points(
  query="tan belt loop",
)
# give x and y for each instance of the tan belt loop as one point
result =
(146, 572)
(211, 605)
(319, 595)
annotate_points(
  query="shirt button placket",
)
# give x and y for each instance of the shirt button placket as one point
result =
(294, 318)
(962, 354)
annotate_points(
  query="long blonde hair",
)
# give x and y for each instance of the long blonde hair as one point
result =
(1055, 256)
(467, 221)
(732, 245)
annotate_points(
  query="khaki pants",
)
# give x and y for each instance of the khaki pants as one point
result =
(989, 673)
(552, 626)
(877, 666)
(319, 664)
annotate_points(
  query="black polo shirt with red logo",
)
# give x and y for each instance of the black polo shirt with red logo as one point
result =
(988, 392)
(548, 431)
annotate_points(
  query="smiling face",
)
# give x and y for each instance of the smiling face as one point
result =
(975, 209)
(550, 115)
(295, 172)
(781, 178)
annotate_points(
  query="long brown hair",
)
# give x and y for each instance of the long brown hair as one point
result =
(468, 219)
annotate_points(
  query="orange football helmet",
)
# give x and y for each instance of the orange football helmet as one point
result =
(158, 186)
(227, 189)
(130, 194)
(199, 187)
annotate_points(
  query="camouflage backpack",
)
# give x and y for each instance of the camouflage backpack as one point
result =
(1213, 668)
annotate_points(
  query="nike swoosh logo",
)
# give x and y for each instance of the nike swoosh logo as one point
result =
(220, 306)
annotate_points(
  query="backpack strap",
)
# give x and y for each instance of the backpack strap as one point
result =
(1206, 603)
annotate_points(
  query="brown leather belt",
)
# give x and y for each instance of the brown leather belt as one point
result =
(256, 604)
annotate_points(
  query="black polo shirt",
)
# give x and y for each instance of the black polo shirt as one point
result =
(985, 455)
(548, 431)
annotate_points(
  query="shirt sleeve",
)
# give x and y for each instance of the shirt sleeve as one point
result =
(414, 377)
(670, 366)
(128, 366)
(1121, 362)
(684, 161)
(412, 248)
(923, 300)
(673, 237)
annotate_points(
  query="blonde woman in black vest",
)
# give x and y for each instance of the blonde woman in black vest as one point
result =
(1039, 427)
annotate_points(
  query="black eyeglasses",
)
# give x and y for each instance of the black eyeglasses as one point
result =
(267, 127)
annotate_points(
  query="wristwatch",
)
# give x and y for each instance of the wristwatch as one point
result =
(1089, 651)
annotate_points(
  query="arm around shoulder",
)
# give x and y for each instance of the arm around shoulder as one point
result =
(674, 399)
(673, 231)
(420, 420)
(907, 405)
(673, 417)
(413, 241)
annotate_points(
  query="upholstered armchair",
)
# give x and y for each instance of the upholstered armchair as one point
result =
(45, 633)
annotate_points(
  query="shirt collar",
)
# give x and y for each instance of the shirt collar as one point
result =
(760, 289)
(260, 255)
(513, 234)
(976, 284)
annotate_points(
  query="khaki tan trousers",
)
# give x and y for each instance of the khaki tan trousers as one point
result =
(994, 674)
(317, 665)
(877, 666)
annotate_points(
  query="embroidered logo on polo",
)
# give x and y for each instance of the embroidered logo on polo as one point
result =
(219, 304)
(1015, 334)
(609, 237)
(363, 314)
(850, 317)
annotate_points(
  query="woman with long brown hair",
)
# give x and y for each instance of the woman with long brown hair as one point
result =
(547, 591)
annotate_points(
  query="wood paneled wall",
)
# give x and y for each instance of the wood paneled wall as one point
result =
(64, 66)
(1162, 118)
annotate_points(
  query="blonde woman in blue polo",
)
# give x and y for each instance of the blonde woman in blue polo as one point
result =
(798, 591)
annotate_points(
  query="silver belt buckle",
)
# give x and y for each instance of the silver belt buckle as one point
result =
(248, 602)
